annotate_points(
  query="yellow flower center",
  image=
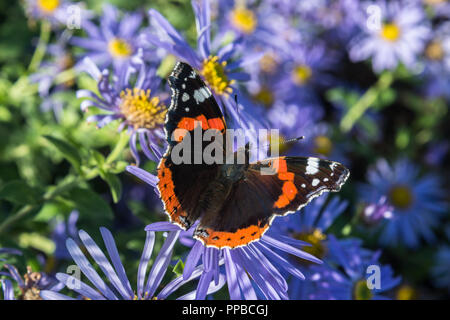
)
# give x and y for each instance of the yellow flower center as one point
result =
(323, 145)
(119, 48)
(301, 74)
(434, 51)
(406, 292)
(140, 110)
(401, 196)
(48, 6)
(315, 238)
(264, 96)
(361, 291)
(214, 73)
(243, 19)
(390, 32)
(268, 63)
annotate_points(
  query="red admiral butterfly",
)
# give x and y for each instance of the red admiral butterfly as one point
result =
(234, 203)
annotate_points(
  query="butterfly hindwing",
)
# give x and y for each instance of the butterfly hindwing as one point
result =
(272, 187)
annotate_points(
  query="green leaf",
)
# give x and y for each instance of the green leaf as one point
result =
(18, 191)
(119, 167)
(115, 185)
(51, 209)
(67, 150)
(89, 203)
(37, 241)
(98, 157)
(120, 146)
(179, 267)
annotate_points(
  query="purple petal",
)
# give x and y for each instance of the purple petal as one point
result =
(88, 270)
(162, 226)
(231, 272)
(143, 175)
(52, 295)
(192, 259)
(282, 261)
(103, 263)
(211, 289)
(8, 291)
(289, 249)
(115, 258)
(145, 258)
(203, 285)
(161, 263)
(79, 286)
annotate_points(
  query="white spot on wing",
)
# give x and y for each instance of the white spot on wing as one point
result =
(312, 166)
(185, 97)
(303, 185)
(315, 182)
(201, 94)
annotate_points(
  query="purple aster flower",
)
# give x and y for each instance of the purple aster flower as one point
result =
(305, 69)
(310, 224)
(59, 60)
(139, 104)
(417, 201)
(239, 16)
(216, 62)
(339, 17)
(251, 272)
(350, 276)
(114, 42)
(437, 63)
(30, 285)
(119, 286)
(400, 37)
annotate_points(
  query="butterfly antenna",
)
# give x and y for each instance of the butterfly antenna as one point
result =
(283, 141)
(293, 140)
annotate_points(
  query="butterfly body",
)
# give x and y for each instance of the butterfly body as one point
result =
(234, 202)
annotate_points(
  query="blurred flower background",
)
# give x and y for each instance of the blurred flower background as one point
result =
(83, 96)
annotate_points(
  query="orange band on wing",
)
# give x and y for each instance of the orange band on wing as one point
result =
(166, 189)
(189, 123)
(220, 239)
(289, 190)
(217, 123)
(279, 165)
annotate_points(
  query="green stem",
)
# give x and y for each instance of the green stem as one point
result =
(41, 48)
(366, 101)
